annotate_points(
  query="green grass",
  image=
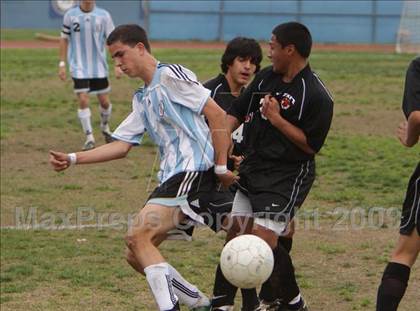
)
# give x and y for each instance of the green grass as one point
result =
(25, 34)
(362, 165)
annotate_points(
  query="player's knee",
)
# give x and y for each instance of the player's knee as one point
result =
(137, 239)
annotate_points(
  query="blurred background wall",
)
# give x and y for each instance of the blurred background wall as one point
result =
(329, 21)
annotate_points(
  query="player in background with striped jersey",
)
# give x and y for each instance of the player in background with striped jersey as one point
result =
(170, 107)
(82, 43)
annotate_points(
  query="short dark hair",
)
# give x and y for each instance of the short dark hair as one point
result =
(129, 34)
(241, 47)
(294, 33)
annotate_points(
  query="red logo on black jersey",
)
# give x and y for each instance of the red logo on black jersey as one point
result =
(286, 101)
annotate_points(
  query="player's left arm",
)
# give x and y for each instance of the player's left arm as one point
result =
(271, 110)
(409, 131)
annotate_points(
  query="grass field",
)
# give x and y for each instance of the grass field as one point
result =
(345, 230)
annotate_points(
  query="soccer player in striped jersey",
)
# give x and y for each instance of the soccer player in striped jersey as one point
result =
(171, 107)
(82, 43)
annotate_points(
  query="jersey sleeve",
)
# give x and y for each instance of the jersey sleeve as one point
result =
(182, 87)
(411, 99)
(132, 129)
(109, 25)
(66, 30)
(316, 121)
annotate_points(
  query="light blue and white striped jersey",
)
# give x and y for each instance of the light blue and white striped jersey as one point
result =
(169, 109)
(87, 33)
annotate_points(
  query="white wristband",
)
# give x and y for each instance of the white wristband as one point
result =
(62, 64)
(220, 169)
(72, 158)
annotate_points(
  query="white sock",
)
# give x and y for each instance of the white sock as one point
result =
(105, 117)
(84, 117)
(187, 293)
(160, 283)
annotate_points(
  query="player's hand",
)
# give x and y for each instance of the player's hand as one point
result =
(59, 161)
(118, 72)
(237, 160)
(227, 179)
(62, 73)
(402, 133)
(270, 108)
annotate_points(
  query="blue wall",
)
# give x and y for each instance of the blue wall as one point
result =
(329, 21)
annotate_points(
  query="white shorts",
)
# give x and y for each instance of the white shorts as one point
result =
(242, 207)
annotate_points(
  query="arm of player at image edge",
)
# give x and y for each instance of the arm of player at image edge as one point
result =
(409, 131)
(221, 141)
(108, 152)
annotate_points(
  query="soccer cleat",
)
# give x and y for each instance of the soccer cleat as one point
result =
(202, 308)
(284, 307)
(179, 234)
(108, 137)
(89, 144)
(224, 308)
(269, 305)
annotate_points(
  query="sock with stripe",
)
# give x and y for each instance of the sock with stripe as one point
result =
(159, 280)
(187, 293)
(267, 293)
(394, 282)
(105, 117)
(223, 291)
(84, 117)
(283, 280)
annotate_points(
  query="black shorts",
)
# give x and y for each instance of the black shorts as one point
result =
(278, 193)
(197, 196)
(410, 216)
(93, 86)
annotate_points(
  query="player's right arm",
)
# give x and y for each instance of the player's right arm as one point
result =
(112, 151)
(408, 132)
(64, 43)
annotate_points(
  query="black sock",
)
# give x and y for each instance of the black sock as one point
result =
(282, 281)
(250, 299)
(393, 285)
(223, 292)
(267, 293)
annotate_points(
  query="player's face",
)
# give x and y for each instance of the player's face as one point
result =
(241, 70)
(127, 58)
(278, 55)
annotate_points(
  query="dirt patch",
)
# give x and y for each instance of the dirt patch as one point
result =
(38, 44)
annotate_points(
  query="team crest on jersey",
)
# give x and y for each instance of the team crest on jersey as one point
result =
(286, 101)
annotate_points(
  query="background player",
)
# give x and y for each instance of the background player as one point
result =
(83, 37)
(170, 108)
(290, 113)
(397, 272)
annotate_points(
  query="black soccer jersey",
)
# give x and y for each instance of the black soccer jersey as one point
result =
(220, 91)
(222, 95)
(305, 102)
(411, 99)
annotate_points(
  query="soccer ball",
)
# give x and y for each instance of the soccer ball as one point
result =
(247, 261)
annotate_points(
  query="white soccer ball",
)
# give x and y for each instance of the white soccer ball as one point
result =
(247, 261)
